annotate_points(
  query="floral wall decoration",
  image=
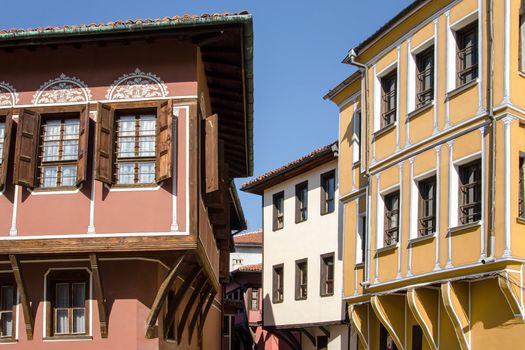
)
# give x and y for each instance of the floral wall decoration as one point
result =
(137, 85)
(63, 89)
(8, 94)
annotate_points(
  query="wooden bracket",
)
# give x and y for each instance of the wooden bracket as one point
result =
(197, 289)
(161, 296)
(24, 298)
(206, 310)
(423, 302)
(170, 316)
(510, 283)
(198, 309)
(453, 296)
(390, 310)
(99, 293)
(358, 315)
(325, 331)
(309, 336)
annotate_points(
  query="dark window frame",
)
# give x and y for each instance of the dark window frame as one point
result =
(521, 184)
(6, 282)
(427, 206)
(251, 298)
(328, 201)
(388, 99)
(70, 277)
(391, 226)
(301, 202)
(327, 281)
(278, 216)
(301, 284)
(278, 283)
(363, 223)
(470, 192)
(425, 94)
(465, 72)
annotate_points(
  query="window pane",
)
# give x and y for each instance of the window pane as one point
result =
(62, 295)
(51, 140)
(62, 321)
(2, 136)
(79, 294)
(126, 134)
(6, 324)
(147, 173)
(79, 321)
(126, 173)
(7, 298)
(69, 175)
(147, 136)
(49, 176)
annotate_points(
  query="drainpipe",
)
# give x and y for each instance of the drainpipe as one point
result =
(490, 109)
(350, 59)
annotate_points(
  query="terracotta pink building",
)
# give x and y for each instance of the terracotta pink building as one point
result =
(118, 146)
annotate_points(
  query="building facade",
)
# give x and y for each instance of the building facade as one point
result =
(431, 178)
(117, 159)
(302, 270)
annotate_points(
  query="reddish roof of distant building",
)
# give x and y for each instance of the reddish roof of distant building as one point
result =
(298, 166)
(251, 268)
(249, 238)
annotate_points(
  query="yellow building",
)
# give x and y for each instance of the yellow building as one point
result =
(431, 180)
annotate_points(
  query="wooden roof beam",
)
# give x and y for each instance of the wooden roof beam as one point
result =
(99, 294)
(198, 287)
(204, 296)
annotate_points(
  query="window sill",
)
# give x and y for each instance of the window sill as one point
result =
(521, 74)
(8, 341)
(328, 212)
(133, 188)
(277, 301)
(420, 110)
(464, 228)
(359, 265)
(460, 89)
(68, 338)
(326, 295)
(300, 221)
(520, 220)
(422, 239)
(388, 248)
(296, 299)
(277, 229)
(54, 190)
(383, 131)
(356, 164)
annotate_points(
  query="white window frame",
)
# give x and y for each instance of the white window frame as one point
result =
(414, 202)
(356, 141)
(454, 187)
(380, 229)
(378, 93)
(412, 70)
(359, 237)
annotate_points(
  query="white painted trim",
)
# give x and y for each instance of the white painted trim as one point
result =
(44, 318)
(507, 121)
(465, 20)
(429, 331)
(438, 206)
(483, 253)
(481, 76)
(91, 225)
(400, 225)
(506, 50)
(379, 231)
(436, 74)
(398, 85)
(103, 235)
(451, 207)
(101, 101)
(55, 192)
(132, 189)
(410, 90)
(449, 68)
(174, 176)
(411, 216)
(351, 99)
(376, 122)
(13, 231)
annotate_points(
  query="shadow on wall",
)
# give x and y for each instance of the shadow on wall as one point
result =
(276, 339)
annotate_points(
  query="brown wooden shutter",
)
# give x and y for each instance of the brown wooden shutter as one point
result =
(83, 145)
(7, 149)
(26, 148)
(163, 166)
(248, 299)
(105, 144)
(212, 153)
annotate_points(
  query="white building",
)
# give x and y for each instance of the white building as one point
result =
(302, 245)
(248, 250)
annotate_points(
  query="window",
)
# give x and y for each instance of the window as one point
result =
(59, 152)
(427, 206)
(135, 161)
(254, 299)
(362, 235)
(69, 303)
(278, 211)
(389, 99)
(470, 192)
(301, 202)
(417, 338)
(237, 261)
(228, 323)
(522, 38)
(278, 284)
(322, 342)
(467, 54)
(7, 309)
(425, 77)
(327, 274)
(328, 192)
(521, 202)
(356, 144)
(301, 279)
(2, 141)
(391, 218)
(386, 342)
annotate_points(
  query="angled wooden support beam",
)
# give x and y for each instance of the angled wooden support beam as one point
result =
(454, 296)
(197, 289)
(293, 339)
(325, 331)
(24, 298)
(424, 303)
(390, 310)
(309, 336)
(359, 318)
(161, 296)
(99, 294)
(170, 316)
(193, 321)
(510, 283)
(207, 308)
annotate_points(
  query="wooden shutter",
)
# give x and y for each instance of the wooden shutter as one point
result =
(212, 153)
(7, 149)
(164, 156)
(248, 299)
(105, 144)
(83, 145)
(26, 147)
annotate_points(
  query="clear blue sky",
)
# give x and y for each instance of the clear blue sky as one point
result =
(298, 47)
